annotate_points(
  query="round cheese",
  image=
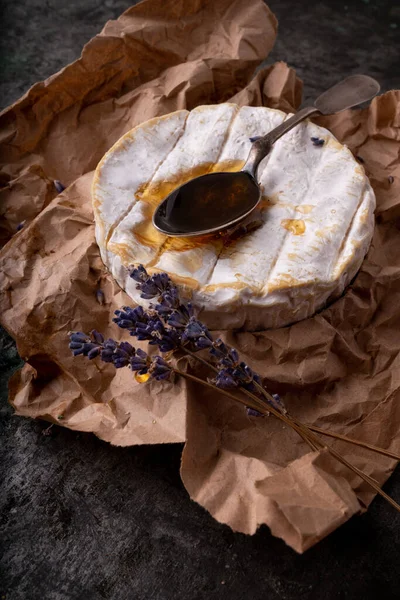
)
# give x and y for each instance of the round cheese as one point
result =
(315, 220)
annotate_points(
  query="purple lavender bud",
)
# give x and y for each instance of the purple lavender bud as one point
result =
(160, 369)
(225, 380)
(253, 413)
(107, 351)
(149, 331)
(141, 353)
(96, 336)
(202, 343)
(181, 317)
(219, 349)
(317, 141)
(124, 323)
(20, 225)
(195, 329)
(87, 348)
(75, 345)
(78, 336)
(139, 274)
(137, 364)
(279, 403)
(168, 302)
(123, 354)
(248, 373)
(151, 286)
(234, 356)
(100, 297)
(95, 351)
(149, 292)
(162, 281)
(77, 351)
(80, 343)
(169, 341)
(107, 355)
(155, 285)
(128, 317)
(140, 362)
(197, 334)
(126, 347)
(59, 186)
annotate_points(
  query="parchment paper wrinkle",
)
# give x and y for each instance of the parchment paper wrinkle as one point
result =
(339, 369)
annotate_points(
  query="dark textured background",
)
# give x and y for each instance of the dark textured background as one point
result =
(81, 519)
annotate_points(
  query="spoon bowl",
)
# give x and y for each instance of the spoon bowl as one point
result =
(208, 204)
(216, 201)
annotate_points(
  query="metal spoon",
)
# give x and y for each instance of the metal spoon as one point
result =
(216, 201)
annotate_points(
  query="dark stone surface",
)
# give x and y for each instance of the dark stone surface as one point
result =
(83, 520)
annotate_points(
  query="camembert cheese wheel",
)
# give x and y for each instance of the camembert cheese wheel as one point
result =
(315, 220)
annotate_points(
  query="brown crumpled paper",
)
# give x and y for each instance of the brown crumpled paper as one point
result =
(339, 370)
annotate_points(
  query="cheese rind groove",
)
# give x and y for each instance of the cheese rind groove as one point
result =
(317, 215)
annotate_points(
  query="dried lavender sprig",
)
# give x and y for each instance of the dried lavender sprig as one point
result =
(120, 354)
(151, 286)
(168, 304)
(145, 326)
(170, 324)
(303, 431)
(160, 369)
(231, 372)
(183, 330)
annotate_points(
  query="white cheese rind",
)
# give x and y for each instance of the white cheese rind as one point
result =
(317, 218)
(129, 165)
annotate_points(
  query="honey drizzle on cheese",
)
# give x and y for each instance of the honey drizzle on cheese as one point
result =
(295, 226)
(150, 196)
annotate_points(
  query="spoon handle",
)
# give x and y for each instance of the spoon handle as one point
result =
(349, 92)
(262, 146)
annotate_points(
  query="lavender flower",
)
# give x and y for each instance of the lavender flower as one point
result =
(197, 335)
(317, 141)
(146, 330)
(225, 356)
(170, 324)
(140, 362)
(160, 369)
(232, 371)
(108, 349)
(180, 317)
(147, 327)
(168, 302)
(88, 345)
(253, 413)
(139, 274)
(151, 286)
(225, 379)
(59, 186)
(167, 339)
(120, 354)
(128, 318)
